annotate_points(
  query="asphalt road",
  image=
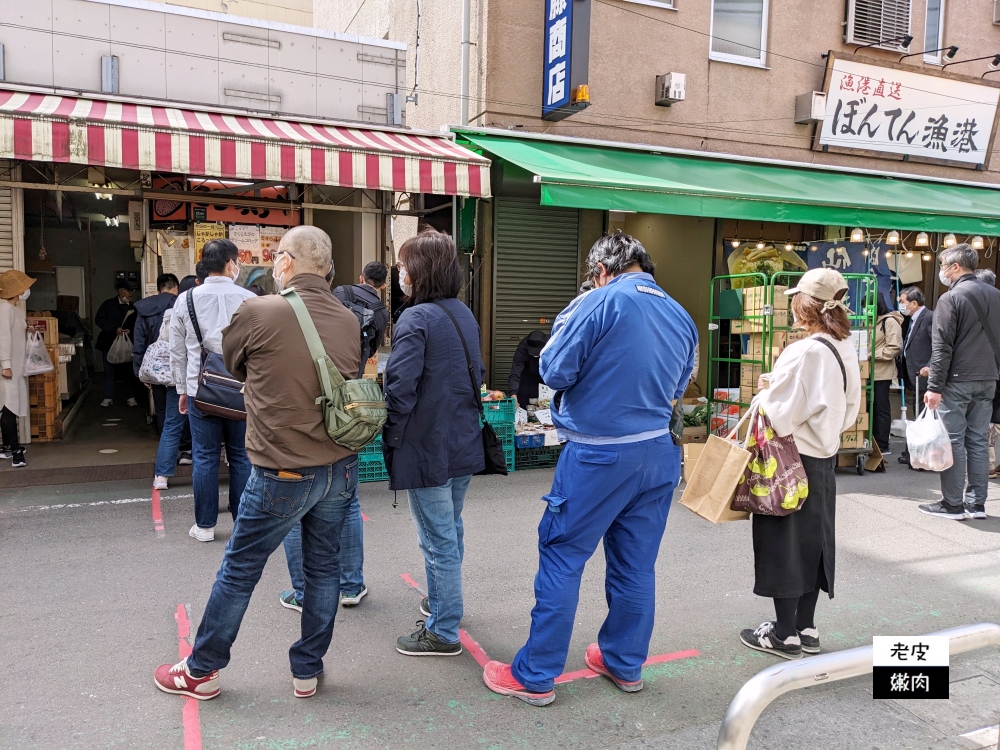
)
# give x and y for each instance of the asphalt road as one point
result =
(93, 597)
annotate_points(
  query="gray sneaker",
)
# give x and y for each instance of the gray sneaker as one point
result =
(425, 606)
(977, 512)
(423, 642)
(943, 510)
(353, 600)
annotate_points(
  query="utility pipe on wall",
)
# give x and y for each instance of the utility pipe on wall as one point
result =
(466, 42)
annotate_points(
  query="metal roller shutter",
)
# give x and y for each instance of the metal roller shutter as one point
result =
(536, 273)
(6, 219)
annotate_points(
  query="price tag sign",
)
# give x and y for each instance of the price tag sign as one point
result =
(910, 667)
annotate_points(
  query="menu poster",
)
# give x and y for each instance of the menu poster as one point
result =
(176, 253)
(270, 238)
(246, 237)
(205, 233)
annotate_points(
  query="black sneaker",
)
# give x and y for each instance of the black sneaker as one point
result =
(425, 606)
(810, 640)
(904, 459)
(943, 510)
(977, 512)
(185, 458)
(17, 459)
(764, 639)
(423, 642)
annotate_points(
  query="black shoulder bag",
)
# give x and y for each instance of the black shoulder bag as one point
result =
(995, 419)
(219, 393)
(496, 462)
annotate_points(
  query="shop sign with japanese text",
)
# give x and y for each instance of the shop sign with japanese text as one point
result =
(566, 56)
(910, 667)
(900, 112)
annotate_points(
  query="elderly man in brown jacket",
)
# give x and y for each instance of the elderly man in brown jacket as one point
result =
(299, 475)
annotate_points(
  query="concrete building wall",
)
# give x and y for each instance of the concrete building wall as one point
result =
(297, 12)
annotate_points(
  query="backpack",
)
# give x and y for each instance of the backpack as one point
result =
(366, 317)
(353, 410)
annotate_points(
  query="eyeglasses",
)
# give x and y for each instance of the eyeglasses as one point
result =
(283, 252)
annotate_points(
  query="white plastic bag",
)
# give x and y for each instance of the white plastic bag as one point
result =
(928, 442)
(120, 351)
(36, 356)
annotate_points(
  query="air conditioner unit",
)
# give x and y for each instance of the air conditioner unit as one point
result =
(670, 89)
(996, 12)
(810, 107)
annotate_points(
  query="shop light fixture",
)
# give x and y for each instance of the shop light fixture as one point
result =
(909, 253)
(760, 244)
(892, 238)
(813, 248)
(994, 65)
(789, 246)
(865, 252)
(888, 254)
(950, 54)
(734, 242)
(922, 240)
(111, 221)
(903, 39)
(857, 234)
(948, 240)
(977, 243)
(926, 256)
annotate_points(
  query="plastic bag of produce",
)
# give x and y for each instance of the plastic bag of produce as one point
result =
(36, 356)
(120, 351)
(928, 442)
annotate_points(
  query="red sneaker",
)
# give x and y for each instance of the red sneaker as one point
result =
(178, 680)
(595, 661)
(499, 679)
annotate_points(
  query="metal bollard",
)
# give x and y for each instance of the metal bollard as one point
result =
(768, 684)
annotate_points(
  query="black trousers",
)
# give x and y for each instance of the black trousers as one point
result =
(8, 429)
(882, 416)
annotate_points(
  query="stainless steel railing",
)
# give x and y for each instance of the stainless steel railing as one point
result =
(768, 684)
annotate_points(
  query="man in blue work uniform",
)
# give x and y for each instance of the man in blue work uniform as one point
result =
(622, 356)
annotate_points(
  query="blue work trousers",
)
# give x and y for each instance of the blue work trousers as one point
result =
(318, 500)
(620, 493)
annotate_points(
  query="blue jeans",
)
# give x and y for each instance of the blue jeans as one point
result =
(352, 554)
(620, 493)
(437, 514)
(208, 433)
(966, 409)
(170, 436)
(271, 508)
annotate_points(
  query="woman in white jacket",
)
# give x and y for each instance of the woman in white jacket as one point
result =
(14, 287)
(813, 394)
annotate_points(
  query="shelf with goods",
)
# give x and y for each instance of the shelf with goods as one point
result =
(751, 325)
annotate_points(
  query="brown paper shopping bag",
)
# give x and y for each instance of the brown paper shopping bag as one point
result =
(712, 484)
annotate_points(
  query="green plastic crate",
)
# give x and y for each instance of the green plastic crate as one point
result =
(538, 458)
(372, 471)
(500, 412)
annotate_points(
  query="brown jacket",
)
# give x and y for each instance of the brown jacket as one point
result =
(888, 345)
(264, 347)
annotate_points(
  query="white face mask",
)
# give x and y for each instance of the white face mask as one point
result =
(279, 285)
(904, 309)
(944, 279)
(25, 294)
(236, 271)
(407, 288)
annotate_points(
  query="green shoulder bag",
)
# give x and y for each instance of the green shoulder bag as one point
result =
(353, 410)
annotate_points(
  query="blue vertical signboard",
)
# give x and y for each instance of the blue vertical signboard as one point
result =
(566, 58)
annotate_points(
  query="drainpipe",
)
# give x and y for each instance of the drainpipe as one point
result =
(466, 42)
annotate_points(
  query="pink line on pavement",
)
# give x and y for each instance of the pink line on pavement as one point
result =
(364, 517)
(192, 726)
(406, 577)
(474, 649)
(158, 526)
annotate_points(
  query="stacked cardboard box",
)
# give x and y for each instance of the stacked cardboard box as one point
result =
(755, 308)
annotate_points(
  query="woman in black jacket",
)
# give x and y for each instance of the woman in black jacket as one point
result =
(432, 438)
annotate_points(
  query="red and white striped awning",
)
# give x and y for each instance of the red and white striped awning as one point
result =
(95, 132)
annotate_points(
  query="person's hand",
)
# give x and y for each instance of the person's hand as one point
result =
(8, 373)
(182, 403)
(121, 331)
(763, 381)
(932, 399)
(925, 372)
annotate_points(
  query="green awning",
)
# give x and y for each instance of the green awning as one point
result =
(618, 179)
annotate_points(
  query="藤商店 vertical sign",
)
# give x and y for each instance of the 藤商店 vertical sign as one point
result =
(906, 113)
(566, 58)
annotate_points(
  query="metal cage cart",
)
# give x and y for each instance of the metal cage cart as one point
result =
(749, 328)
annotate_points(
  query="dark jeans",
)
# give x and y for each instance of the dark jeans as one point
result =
(208, 434)
(271, 508)
(160, 407)
(882, 415)
(8, 429)
(966, 409)
(125, 371)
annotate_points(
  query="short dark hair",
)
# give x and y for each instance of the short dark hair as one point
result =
(881, 308)
(913, 294)
(217, 254)
(431, 261)
(616, 252)
(376, 273)
(122, 284)
(200, 273)
(166, 281)
(188, 282)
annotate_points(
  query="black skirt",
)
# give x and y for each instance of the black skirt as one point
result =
(795, 554)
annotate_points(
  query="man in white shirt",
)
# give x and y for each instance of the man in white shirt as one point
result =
(214, 301)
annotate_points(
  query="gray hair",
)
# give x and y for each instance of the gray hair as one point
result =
(616, 252)
(986, 275)
(962, 254)
(311, 247)
(913, 294)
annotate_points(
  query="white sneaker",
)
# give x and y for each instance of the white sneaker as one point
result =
(159, 483)
(107, 402)
(4, 453)
(132, 402)
(202, 535)
(305, 688)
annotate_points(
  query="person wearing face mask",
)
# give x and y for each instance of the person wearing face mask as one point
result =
(14, 288)
(916, 346)
(963, 377)
(116, 316)
(215, 301)
(888, 345)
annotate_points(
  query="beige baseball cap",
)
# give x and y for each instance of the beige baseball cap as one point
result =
(825, 284)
